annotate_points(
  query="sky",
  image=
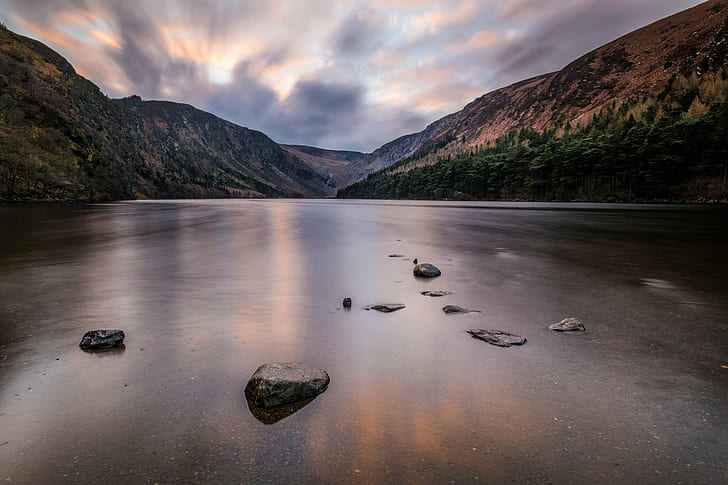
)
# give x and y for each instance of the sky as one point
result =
(342, 74)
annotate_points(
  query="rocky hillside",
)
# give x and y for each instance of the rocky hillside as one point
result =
(335, 163)
(641, 65)
(61, 138)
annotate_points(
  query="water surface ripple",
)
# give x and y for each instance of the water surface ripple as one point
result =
(206, 291)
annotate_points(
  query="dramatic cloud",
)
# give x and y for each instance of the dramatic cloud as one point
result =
(349, 74)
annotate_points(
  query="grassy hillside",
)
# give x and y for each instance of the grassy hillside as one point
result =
(61, 138)
(672, 147)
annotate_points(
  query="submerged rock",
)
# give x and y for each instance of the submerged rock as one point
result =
(102, 339)
(386, 307)
(497, 337)
(570, 324)
(435, 293)
(426, 270)
(281, 383)
(346, 303)
(457, 309)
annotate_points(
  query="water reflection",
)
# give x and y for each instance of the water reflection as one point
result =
(275, 414)
(206, 291)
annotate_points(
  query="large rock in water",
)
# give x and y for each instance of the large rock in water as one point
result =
(435, 292)
(426, 270)
(281, 383)
(497, 337)
(449, 309)
(102, 339)
(386, 307)
(570, 324)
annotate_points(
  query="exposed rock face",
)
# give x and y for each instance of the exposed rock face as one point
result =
(280, 383)
(426, 270)
(389, 153)
(435, 293)
(570, 324)
(457, 309)
(102, 339)
(386, 307)
(497, 337)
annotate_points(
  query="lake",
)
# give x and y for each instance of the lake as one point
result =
(207, 291)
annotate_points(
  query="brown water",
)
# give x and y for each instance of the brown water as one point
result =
(206, 291)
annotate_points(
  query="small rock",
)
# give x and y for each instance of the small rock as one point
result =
(346, 303)
(386, 307)
(102, 339)
(457, 309)
(426, 270)
(281, 383)
(435, 293)
(497, 337)
(414, 261)
(395, 255)
(570, 324)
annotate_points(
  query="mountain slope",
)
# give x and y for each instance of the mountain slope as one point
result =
(61, 138)
(335, 164)
(640, 65)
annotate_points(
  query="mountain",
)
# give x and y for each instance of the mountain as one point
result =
(335, 163)
(61, 138)
(677, 56)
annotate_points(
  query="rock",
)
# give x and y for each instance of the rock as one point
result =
(497, 337)
(281, 383)
(414, 261)
(457, 309)
(570, 324)
(395, 255)
(346, 303)
(102, 339)
(426, 270)
(435, 293)
(386, 307)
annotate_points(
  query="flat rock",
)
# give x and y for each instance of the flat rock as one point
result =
(102, 339)
(457, 309)
(435, 293)
(386, 307)
(426, 270)
(570, 324)
(395, 255)
(281, 383)
(497, 337)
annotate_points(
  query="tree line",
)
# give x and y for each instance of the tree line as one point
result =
(662, 154)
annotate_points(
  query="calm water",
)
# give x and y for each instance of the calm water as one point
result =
(209, 290)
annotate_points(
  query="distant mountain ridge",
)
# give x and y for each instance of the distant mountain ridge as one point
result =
(61, 138)
(638, 65)
(335, 163)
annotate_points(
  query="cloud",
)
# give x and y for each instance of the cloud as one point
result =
(432, 22)
(336, 73)
(564, 35)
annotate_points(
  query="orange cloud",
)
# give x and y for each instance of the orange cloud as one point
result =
(54, 37)
(105, 38)
(485, 38)
(431, 22)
